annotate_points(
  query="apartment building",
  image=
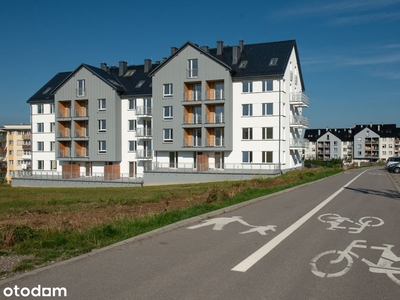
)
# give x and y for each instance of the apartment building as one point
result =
(200, 109)
(371, 142)
(326, 144)
(94, 122)
(15, 150)
(236, 107)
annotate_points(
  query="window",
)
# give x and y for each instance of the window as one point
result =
(131, 125)
(52, 110)
(247, 156)
(40, 127)
(168, 112)
(53, 164)
(102, 146)
(219, 93)
(52, 127)
(243, 64)
(102, 104)
(132, 103)
(267, 156)
(80, 88)
(334, 143)
(247, 133)
(102, 125)
(140, 83)
(247, 109)
(129, 73)
(267, 109)
(247, 87)
(173, 159)
(40, 165)
(193, 68)
(273, 61)
(267, 85)
(40, 109)
(168, 135)
(168, 91)
(267, 133)
(132, 146)
(53, 146)
(40, 146)
(46, 90)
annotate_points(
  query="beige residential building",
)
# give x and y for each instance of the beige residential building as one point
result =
(15, 150)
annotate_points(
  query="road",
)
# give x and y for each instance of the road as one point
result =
(279, 247)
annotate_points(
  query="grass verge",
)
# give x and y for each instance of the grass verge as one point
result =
(52, 241)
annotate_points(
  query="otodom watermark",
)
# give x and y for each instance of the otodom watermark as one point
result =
(37, 291)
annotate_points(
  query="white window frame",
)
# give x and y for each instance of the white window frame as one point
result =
(40, 146)
(40, 109)
(102, 146)
(168, 136)
(193, 68)
(132, 125)
(132, 104)
(249, 158)
(247, 133)
(268, 85)
(101, 104)
(268, 109)
(40, 127)
(132, 146)
(247, 86)
(249, 110)
(168, 90)
(267, 156)
(266, 131)
(102, 125)
(40, 164)
(80, 88)
(168, 112)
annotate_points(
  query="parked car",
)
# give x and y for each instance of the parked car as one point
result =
(395, 168)
(392, 160)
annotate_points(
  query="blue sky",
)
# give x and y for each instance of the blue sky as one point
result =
(349, 50)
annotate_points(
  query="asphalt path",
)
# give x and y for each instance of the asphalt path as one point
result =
(337, 238)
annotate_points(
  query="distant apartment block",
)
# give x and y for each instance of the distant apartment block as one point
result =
(15, 150)
(371, 142)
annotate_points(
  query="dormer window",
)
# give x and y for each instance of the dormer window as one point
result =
(46, 90)
(273, 61)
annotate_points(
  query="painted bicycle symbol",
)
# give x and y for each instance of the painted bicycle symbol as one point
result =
(383, 266)
(335, 221)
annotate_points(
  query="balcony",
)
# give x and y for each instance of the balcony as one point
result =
(26, 156)
(298, 143)
(81, 113)
(144, 154)
(66, 113)
(27, 147)
(299, 121)
(299, 99)
(215, 96)
(82, 153)
(192, 119)
(144, 132)
(192, 142)
(64, 153)
(144, 110)
(81, 133)
(192, 96)
(65, 133)
(215, 142)
(26, 136)
(215, 118)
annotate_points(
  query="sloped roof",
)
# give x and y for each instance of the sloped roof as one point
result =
(45, 93)
(347, 134)
(258, 57)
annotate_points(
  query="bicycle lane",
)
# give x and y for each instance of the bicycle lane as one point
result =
(359, 225)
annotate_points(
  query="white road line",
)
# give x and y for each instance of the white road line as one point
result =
(264, 250)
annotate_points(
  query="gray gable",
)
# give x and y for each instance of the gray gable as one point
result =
(46, 92)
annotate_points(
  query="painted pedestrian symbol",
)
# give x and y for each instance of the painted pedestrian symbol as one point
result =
(220, 223)
(383, 266)
(335, 221)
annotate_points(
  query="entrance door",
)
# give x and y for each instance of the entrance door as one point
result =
(219, 160)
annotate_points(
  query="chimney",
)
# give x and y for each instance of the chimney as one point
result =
(370, 124)
(122, 68)
(204, 48)
(147, 65)
(241, 45)
(235, 54)
(173, 50)
(104, 67)
(220, 44)
(163, 59)
(319, 131)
